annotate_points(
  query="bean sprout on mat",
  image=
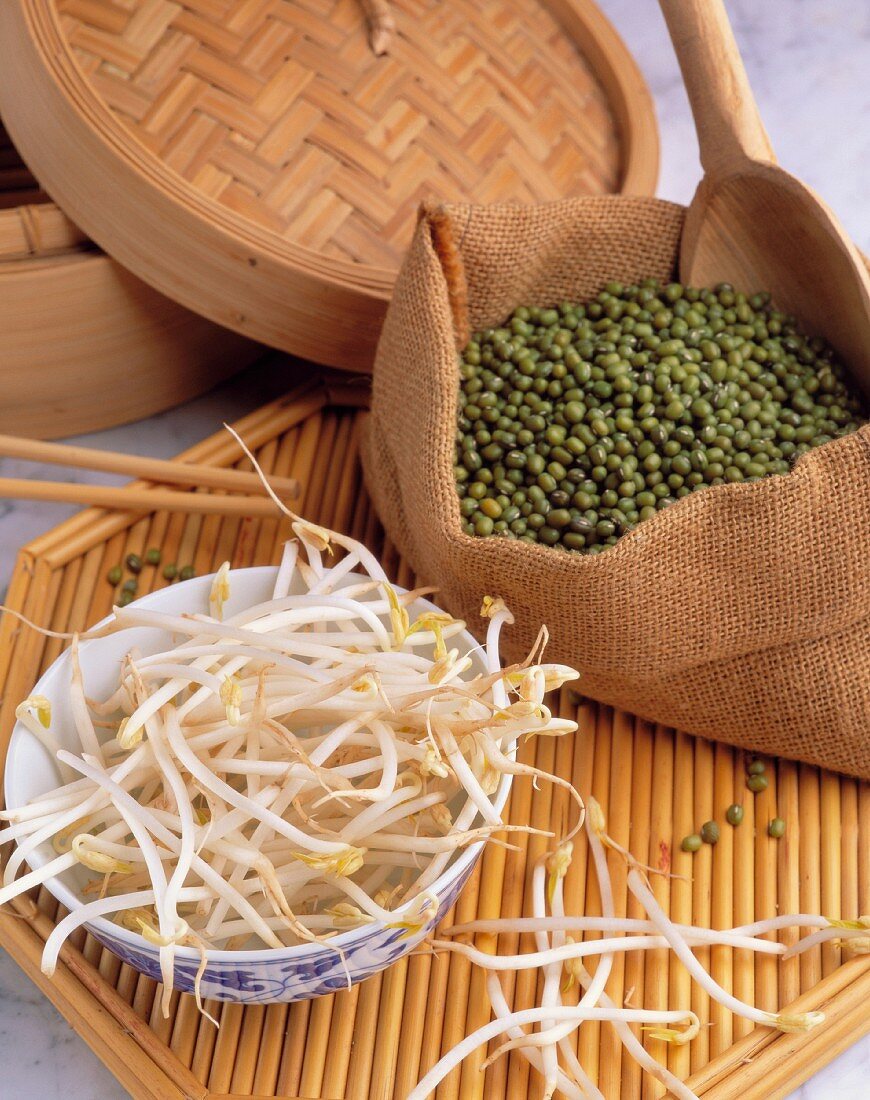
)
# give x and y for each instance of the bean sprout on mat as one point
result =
(551, 1044)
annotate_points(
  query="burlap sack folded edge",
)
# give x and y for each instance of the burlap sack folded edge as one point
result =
(741, 613)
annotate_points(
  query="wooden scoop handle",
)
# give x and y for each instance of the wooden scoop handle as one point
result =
(729, 127)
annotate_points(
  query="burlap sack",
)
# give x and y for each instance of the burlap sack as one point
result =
(742, 612)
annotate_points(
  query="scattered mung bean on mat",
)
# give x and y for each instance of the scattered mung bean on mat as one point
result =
(577, 422)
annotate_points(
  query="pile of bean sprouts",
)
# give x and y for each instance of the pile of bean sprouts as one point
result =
(571, 995)
(298, 769)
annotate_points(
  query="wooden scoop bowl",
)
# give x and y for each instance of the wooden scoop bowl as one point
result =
(751, 223)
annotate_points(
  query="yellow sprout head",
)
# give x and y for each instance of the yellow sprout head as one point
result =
(533, 686)
(345, 862)
(98, 861)
(35, 704)
(421, 912)
(574, 969)
(231, 697)
(435, 621)
(220, 590)
(595, 817)
(317, 537)
(346, 915)
(152, 935)
(558, 863)
(399, 619)
(442, 818)
(432, 764)
(673, 1034)
(494, 605)
(128, 736)
(367, 686)
(449, 665)
(796, 1023)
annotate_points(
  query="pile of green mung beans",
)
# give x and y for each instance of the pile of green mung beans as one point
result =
(579, 421)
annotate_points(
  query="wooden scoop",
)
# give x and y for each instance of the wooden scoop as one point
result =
(750, 222)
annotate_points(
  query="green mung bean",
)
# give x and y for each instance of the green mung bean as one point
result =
(603, 413)
(710, 832)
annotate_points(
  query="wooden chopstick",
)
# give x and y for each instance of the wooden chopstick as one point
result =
(133, 499)
(138, 466)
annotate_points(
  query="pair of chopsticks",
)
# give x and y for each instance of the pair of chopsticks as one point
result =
(132, 498)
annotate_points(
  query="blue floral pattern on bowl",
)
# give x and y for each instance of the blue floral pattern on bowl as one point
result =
(271, 977)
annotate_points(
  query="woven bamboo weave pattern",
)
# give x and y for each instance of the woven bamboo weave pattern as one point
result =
(30, 224)
(374, 1042)
(281, 112)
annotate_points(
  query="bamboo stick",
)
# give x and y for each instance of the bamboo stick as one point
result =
(492, 877)
(722, 901)
(245, 1063)
(656, 970)
(590, 1033)
(206, 1037)
(185, 1026)
(619, 827)
(849, 831)
(223, 1058)
(340, 1036)
(130, 499)
(768, 888)
(810, 865)
(271, 1045)
(744, 891)
(408, 1057)
(360, 1069)
(830, 874)
(682, 863)
(294, 1047)
(69, 575)
(453, 1028)
(641, 806)
(389, 1031)
(314, 1061)
(164, 471)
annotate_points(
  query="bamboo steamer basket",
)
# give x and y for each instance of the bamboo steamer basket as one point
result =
(86, 345)
(375, 1041)
(255, 161)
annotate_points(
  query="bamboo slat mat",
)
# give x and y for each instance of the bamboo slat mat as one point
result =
(375, 1041)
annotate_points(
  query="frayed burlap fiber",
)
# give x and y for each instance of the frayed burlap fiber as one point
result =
(742, 612)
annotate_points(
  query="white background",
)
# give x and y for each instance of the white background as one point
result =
(808, 61)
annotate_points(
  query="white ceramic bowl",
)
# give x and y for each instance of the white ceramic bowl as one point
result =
(250, 977)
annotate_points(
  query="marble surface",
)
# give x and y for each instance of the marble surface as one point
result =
(808, 62)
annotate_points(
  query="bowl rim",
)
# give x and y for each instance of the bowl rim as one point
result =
(345, 940)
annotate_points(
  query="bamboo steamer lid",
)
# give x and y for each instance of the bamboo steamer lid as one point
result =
(84, 344)
(254, 159)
